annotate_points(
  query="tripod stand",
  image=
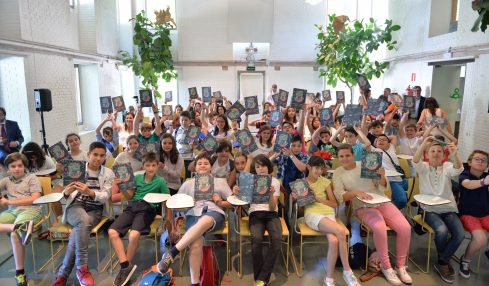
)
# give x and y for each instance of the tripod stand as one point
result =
(44, 146)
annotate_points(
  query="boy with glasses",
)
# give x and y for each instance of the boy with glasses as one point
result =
(474, 206)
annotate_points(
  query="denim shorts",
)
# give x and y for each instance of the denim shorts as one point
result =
(217, 217)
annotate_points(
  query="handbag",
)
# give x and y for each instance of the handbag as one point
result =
(398, 168)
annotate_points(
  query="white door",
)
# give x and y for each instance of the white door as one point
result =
(252, 84)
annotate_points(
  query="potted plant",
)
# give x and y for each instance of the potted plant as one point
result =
(344, 48)
(153, 59)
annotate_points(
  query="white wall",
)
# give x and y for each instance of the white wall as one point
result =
(54, 23)
(9, 19)
(474, 133)
(417, 49)
(13, 95)
(286, 78)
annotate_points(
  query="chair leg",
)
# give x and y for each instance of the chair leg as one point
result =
(287, 256)
(300, 258)
(98, 254)
(156, 247)
(240, 258)
(228, 253)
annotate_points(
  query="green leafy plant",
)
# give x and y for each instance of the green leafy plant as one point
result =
(345, 48)
(153, 59)
(481, 6)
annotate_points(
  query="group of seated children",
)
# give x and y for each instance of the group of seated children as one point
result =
(434, 161)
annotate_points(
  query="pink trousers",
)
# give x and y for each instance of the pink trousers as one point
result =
(377, 218)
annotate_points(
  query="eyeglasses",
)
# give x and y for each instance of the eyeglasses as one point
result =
(480, 160)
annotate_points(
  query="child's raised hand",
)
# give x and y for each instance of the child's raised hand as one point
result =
(161, 165)
(294, 196)
(236, 190)
(381, 171)
(271, 190)
(486, 180)
(286, 152)
(452, 147)
(155, 108)
(3, 201)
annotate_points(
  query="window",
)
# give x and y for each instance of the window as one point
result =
(79, 115)
(443, 17)
(454, 16)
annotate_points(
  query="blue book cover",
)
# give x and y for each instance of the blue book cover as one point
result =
(353, 114)
(192, 91)
(59, 152)
(376, 107)
(275, 118)
(126, 174)
(251, 104)
(304, 195)
(235, 111)
(208, 144)
(326, 95)
(192, 134)
(246, 183)
(282, 140)
(326, 117)
(409, 104)
(204, 187)
(246, 141)
(74, 171)
(206, 94)
(118, 103)
(146, 98)
(371, 163)
(106, 104)
(147, 147)
(261, 195)
(168, 96)
(298, 98)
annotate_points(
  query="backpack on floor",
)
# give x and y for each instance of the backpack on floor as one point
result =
(209, 269)
(153, 278)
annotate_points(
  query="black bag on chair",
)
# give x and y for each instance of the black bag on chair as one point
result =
(356, 256)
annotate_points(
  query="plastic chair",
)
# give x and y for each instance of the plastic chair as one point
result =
(242, 229)
(304, 231)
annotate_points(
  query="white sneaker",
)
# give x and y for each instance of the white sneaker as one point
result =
(391, 276)
(404, 276)
(350, 278)
(329, 282)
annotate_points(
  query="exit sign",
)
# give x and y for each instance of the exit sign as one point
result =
(248, 68)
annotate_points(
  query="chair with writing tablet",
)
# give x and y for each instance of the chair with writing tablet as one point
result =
(49, 196)
(376, 200)
(420, 219)
(63, 230)
(180, 202)
(152, 198)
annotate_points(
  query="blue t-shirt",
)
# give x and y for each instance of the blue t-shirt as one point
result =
(473, 202)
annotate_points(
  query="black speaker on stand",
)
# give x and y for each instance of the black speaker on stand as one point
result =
(43, 102)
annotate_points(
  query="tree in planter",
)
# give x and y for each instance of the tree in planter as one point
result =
(345, 47)
(153, 59)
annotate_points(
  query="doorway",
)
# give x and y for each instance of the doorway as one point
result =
(447, 88)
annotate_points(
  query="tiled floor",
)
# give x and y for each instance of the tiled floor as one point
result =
(313, 273)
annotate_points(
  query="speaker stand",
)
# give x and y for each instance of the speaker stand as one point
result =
(44, 146)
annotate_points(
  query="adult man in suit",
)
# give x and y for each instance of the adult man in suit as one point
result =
(419, 103)
(10, 136)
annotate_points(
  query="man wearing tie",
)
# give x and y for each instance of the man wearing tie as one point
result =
(10, 136)
(419, 103)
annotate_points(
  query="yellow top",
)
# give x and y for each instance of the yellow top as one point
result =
(319, 189)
